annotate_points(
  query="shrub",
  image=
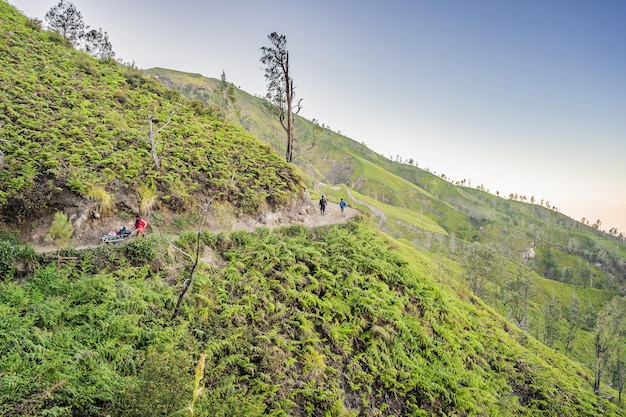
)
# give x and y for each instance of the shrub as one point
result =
(157, 218)
(76, 185)
(14, 256)
(34, 24)
(147, 198)
(100, 195)
(140, 251)
(187, 220)
(8, 252)
(61, 230)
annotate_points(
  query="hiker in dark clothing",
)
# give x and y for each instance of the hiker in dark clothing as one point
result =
(322, 205)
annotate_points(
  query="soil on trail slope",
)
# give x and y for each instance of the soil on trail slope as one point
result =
(305, 212)
(331, 216)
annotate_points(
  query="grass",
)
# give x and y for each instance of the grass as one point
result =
(147, 197)
(104, 199)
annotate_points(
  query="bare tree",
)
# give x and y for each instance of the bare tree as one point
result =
(280, 90)
(194, 259)
(153, 120)
(2, 153)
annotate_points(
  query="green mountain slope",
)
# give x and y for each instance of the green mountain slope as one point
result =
(339, 321)
(296, 321)
(71, 123)
(471, 214)
(523, 242)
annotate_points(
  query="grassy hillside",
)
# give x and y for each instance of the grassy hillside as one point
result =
(74, 125)
(334, 321)
(527, 246)
(470, 214)
(337, 321)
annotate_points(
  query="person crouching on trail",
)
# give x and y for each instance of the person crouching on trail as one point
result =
(140, 224)
(322, 205)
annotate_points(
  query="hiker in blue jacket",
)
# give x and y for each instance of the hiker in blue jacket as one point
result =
(342, 206)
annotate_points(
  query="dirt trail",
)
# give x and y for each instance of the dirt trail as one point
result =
(307, 214)
(331, 216)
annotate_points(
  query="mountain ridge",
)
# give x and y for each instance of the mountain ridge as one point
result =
(573, 253)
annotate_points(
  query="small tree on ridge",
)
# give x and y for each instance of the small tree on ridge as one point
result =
(67, 21)
(280, 90)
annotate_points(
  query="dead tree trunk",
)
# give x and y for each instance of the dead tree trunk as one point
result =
(192, 274)
(153, 120)
(2, 153)
(194, 258)
(152, 135)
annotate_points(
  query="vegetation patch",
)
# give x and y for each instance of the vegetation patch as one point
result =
(336, 320)
(93, 141)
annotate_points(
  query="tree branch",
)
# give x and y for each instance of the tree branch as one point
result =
(195, 258)
(152, 135)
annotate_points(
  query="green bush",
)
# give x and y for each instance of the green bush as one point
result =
(61, 230)
(140, 251)
(8, 252)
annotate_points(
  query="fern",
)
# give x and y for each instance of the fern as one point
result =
(61, 230)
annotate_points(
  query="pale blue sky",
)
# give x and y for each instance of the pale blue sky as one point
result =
(526, 96)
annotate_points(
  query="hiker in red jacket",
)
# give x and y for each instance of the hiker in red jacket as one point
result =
(140, 224)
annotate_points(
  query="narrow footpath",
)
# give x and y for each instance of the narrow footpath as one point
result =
(308, 215)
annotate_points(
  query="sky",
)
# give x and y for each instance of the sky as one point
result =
(525, 97)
